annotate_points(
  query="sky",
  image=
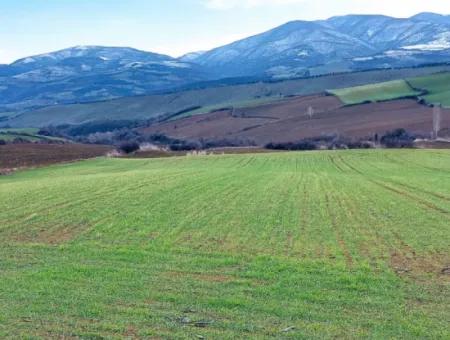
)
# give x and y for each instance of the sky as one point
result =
(172, 27)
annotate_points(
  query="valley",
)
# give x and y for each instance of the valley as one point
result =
(291, 184)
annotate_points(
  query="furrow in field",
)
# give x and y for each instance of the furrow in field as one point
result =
(387, 245)
(88, 204)
(403, 193)
(75, 197)
(82, 196)
(409, 162)
(337, 229)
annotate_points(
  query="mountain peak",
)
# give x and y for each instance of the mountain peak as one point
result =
(432, 17)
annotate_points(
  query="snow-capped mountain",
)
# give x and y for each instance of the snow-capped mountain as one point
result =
(297, 45)
(432, 17)
(91, 73)
(298, 48)
(338, 44)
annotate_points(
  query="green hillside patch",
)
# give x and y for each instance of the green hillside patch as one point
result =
(375, 92)
(350, 244)
(25, 134)
(164, 106)
(230, 104)
(437, 88)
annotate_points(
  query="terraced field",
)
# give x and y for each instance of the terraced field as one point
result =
(28, 134)
(375, 92)
(436, 86)
(287, 245)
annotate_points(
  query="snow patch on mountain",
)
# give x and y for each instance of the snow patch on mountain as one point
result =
(174, 63)
(28, 60)
(441, 43)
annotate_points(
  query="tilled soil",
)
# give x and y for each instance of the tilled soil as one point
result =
(18, 156)
(289, 120)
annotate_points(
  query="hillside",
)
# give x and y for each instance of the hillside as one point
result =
(203, 100)
(90, 73)
(296, 49)
(376, 92)
(28, 135)
(309, 245)
(432, 89)
(351, 42)
(437, 88)
(288, 121)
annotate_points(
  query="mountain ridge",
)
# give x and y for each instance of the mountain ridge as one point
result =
(295, 49)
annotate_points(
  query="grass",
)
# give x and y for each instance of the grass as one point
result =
(161, 105)
(375, 92)
(234, 104)
(289, 245)
(436, 86)
(28, 134)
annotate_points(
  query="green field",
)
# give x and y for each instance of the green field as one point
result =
(231, 104)
(375, 92)
(28, 134)
(349, 244)
(437, 87)
(163, 105)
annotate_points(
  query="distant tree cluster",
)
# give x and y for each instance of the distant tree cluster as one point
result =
(127, 136)
(399, 138)
(331, 142)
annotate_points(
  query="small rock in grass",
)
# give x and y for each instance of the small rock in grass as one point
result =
(402, 270)
(185, 320)
(446, 270)
(288, 329)
(200, 336)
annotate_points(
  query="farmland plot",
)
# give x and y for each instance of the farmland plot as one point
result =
(390, 90)
(323, 244)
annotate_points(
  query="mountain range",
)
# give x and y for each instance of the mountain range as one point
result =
(296, 49)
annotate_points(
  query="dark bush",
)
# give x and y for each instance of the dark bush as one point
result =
(2, 142)
(128, 147)
(293, 146)
(184, 146)
(398, 138)
(20, 140)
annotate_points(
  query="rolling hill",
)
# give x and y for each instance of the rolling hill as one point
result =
(288, 121)
(295, 49)
(90, 73)
(376, 92)
(203, 100)
(432, 89)
(351, 42)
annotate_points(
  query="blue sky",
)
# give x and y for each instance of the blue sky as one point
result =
(173, 27)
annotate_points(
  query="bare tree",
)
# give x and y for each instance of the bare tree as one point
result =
(310, 112)
(437, 114)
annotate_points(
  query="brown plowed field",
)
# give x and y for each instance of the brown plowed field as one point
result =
(288, 120)
(15, 156)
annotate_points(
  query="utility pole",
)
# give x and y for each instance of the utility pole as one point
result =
(437, 116)
(310, 112)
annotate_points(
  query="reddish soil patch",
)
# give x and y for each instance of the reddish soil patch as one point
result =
(288, 120)
(17, 156)
(415, 266)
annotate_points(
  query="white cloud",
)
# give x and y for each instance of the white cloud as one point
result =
(230, 4)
